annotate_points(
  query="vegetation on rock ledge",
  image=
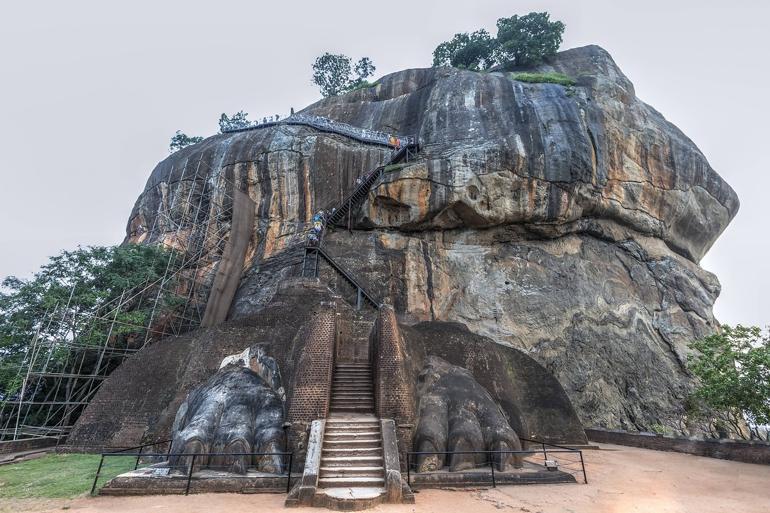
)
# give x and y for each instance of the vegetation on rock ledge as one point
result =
(544, 78)
(520, 41)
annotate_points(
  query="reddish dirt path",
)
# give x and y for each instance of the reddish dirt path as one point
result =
(622, 480)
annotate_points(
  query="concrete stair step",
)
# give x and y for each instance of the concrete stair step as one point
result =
(335, 461)
(347, 452)
(350, 470)
(343, 428)
(352, 409)
(353, 442)
(333, 482)
(350, 433)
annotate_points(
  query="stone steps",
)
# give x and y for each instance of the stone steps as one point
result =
(351, 471)
(337, 435)
(351, 454)
(358, 482)
(349, 460)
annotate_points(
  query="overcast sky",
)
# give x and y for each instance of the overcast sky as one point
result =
(91, 92)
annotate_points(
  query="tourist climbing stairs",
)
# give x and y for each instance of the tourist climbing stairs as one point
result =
(352, 444)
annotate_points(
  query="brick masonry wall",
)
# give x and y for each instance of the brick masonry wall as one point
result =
(736, 450)
(28, 444)
(313, 374)
(393, 388)
(139, 401)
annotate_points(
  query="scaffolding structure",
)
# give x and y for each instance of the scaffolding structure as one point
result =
(66, 362)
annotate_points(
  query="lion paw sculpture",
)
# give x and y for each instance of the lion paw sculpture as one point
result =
(240, 409)
(456, 415)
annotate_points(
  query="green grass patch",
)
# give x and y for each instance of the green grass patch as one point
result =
(394, 167)
(544, 78)
(57, 475)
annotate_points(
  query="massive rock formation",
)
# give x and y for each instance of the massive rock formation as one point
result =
(567, 222)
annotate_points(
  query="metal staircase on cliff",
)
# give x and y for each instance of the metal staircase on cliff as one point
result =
(342, 214)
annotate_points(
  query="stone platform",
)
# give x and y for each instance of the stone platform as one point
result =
(530, 474)
(152, 481)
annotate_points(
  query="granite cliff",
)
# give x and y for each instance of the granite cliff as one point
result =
(567, 222)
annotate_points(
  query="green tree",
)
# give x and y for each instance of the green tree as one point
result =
(475, 51)
(335, 74)
(234, 122)
(64, 300)
(520, 41)
(181, 140)
(733, 371)
(525, 40)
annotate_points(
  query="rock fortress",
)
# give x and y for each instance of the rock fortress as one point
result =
(418, 280)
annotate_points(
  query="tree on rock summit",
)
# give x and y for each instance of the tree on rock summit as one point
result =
(520, 41)
(334, 73)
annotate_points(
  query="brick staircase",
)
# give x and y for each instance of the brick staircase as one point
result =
(352, 447)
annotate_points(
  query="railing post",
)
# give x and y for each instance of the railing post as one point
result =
(408, 470)
(492, 460)
(189, 475)
(96, 477)
(358, 299)
(545, 454)
(288, 473)
(582, 464)
(138, 455)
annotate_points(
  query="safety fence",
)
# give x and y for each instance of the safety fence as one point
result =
(162, 463)
(563, 461)
(329, 125)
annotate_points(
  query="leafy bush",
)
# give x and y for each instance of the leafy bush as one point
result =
(363, 85)
(544, 78)
(733, 370)
(334, 74)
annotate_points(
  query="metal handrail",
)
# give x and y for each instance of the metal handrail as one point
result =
(337, 267)
(329, 125)
(545, 451)
(192, 462)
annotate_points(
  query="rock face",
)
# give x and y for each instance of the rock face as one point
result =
(567, 222)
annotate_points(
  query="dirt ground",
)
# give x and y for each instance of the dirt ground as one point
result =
(621, 479)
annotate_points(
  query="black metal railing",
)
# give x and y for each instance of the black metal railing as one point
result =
(570, 460)
(329, 125)
(161, 463)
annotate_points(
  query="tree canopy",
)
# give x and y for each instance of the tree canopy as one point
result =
(733, 371)
(234, 122)
(181, 140)
(474, 51)
(68, 291)
(520, 41)
(335, 74)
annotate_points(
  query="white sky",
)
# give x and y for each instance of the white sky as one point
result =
(91, 92)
